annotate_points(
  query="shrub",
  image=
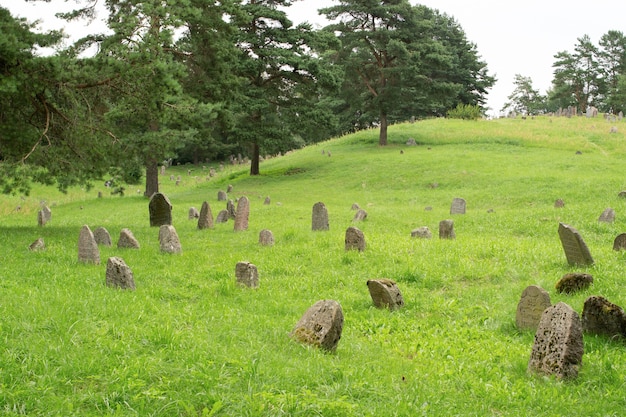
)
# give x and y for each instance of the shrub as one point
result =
(465, 111)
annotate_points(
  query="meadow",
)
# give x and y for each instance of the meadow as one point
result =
(189, 341)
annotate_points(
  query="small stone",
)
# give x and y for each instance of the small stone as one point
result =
(574, 282)
(385, 293)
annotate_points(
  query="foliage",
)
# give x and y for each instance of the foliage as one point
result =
(525, 99)
(465, 111)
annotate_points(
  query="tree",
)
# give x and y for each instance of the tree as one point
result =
(612, 60)
(524, 99)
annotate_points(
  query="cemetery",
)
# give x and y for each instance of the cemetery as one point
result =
(338, 297)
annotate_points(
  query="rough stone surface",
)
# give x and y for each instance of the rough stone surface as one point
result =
(38, 244)
(355, 207)
(457, 206)
(622, 194)
(574, 246)
(446, 229)
(620, 242)
(319, 217)
(119, 275)
(193, 213)
(102, 236)
(321, 325)
(558, 347)
(168, 240)
(559, 203)
(266, 238)
(230, 208)
(221, 195)
(242, 214)
(247, 274)
(355, 240)
(531, 306)
(205, 217)
(44, 215)
(360, 215)
(607, 216)
(222, 217)
(573, 282)
(267, 201)
(127, 240)
(600, 316)
(160, 210)
(88, 251)
(422, 233)
(385, 293)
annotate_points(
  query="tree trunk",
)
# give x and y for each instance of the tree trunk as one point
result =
(254, 163)
(382, 138)
(152, 178)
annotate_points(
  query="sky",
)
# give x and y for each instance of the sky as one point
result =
(512, 37)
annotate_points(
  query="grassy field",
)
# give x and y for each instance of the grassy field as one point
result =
(191, 342)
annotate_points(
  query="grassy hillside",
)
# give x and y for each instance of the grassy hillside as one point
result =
(190, 342)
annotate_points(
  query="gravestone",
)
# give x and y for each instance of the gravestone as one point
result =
(168, 239)
(607, 216)
(320, 326)
(622, 194)
(247, 274)
(99, 194)
(385, 294)
(44, 215)
(127, 240)
(162, 169)
(222, 217)
(620, 242)
(37, 245)
(205, 218)
(558, 347)
(574, 246)
(531, 306)
(319, 217)
(360, 216)
(160, 210)
(230, 208)
(119, 275)
(422, 233)
(193, 213)
(355, 239)
(242, 214)
(229, 189)
(266, 238)
(102, 236)
(267, 201)
(88, 251)
(600, 316)
(573, 282)
(411, 142)
(559, 203)
(457, 206)
(355, 206)
(446, 229)
(221, 196)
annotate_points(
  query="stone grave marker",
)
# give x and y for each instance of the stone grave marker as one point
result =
(600, 316)
(319, 217)
(457, 206)
(119, 275)
(531, 306)
(355, 206)
(193, 213)
(355, 239)
(320, 326)
(230, 208)
(266, 238)
(247, 274)
(102, 236)
(221, 196)
(242, 214)
(267, 201)
(205, 218)
(360, 216)
(229, 189)
(168, 239)
(573, 282)
(622, 194)
(44, 215)
(385, 294)
(222, 217)
(607, 216)
(558, 347)
(127, 240)
(160, 210)
(574, 246)
(162, 169)
(446, 229)
(620, 242)
(88, 251)
(422, 233)
(559, 203)
(37, 245)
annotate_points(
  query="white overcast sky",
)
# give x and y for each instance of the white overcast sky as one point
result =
(512, 37)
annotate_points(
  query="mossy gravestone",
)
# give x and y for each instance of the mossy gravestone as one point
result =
(574, 246)
(160, 210)
(88, 251)
(531, 306)
(385, 293)
(620, 242)
(119, 275)
(360, 216)
(458, 206)
(600, 316)
(574, 282)
(320, 326)
(607, 216)
(266, 238)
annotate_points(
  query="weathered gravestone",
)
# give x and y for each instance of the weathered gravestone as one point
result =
(320, 326)
(102, 236)
(446, 229)
(559, 203)
(600, 316)
(319, 217)
(162, 169)
(422, 233)
(193, 213)
(558, 347)
(242, 214)
(266, 238)
(222, 217)
(168, 239)
(355, 239)
(221, 196)
(160, 210)
(457, 206)
(622, 194)
(119, 275)
(267, 201)
(43, 216)
(620, 242)
(127, 240)
(607, 216)
(230, 208)
(360, 215)
(574, 246)
(247, 274)
(88, 251)
(37, 245)
(573, 282)
(205, 218)
(355, 206)
(531, 306)
(229, 189)
(385, 293)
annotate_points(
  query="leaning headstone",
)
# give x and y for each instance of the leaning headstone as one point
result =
(168, 239)
(320, 326)
(267, 201)
(230, 208)
(422, 232)
(558, 347)
(573, 282)
(446, 229)
(221, 196)
(620, 242)
(531, 305)
(319, 217)
(385, 293)
(88, 251)
(193, 213)
(607, 216)
(600, 316)
(247, 274)
(355, 239)
(205, 218)
(457, 206)
(242, 214)
(222, 217)
(43, 216)
(37, 245)
(160, 210)
(360, 216)
(574, 246)
(119, 275)
(127, 240)
(266, 238)
(102, 236)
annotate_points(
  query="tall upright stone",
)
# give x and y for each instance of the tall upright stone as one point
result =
(168, 239)
(242, 214)
(458, 206)
(88, 251)
(355, 239)
(247, 274)
(231, 210)
(127, 240)
(320, 217)
(102, 236)
(119, 275)
(205, 218)
(531, 306)
(574, 246)
(320, 326)
(446, 229)
(160, 210)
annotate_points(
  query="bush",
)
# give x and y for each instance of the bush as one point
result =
(465, 111)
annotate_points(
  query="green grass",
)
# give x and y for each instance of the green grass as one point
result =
(190, 342)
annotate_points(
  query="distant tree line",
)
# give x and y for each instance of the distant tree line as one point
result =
(199, 80)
